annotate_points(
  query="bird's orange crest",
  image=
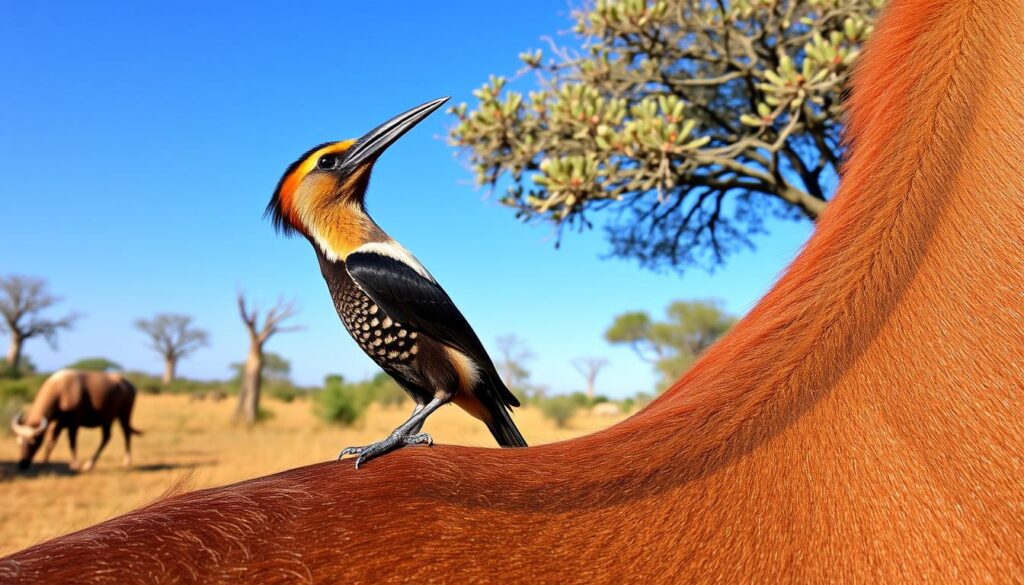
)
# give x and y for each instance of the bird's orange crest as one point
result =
(282, 205)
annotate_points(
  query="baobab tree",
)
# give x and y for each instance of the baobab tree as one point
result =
(589, 367)
(22, 301)
(172, 336)
(252, 372)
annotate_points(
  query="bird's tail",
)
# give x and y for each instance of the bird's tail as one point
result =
(504, 430)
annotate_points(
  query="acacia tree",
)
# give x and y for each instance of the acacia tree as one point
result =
(173, 337)
(673, 344)
(589, 368)
(248, 406)
(23, 299)
(688, 120)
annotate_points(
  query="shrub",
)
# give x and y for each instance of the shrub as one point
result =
(383, 390)
(16, 390)
(284, 392)
(340, 403)
(95, 364)
(14, 394)
(559, 408)
(344, 403)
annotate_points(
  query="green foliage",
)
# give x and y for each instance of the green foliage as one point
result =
(21, 390)
(560, 408)
(275, 368)
(689, 120)
(149, 384)
(95, 364)
(285, 392)
(25, 367)
(15, 393)
(344, 403)
(339, 404)
(672, 345)
(276, 378)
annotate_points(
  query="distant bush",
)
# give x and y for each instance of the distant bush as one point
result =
(95, 364)
(340, 403)
(383, 390)
(149, 384)
(21, 390)
(15, 393)
(27, 368)
(344, 403)
(285, 392)
(559, 409)
(643, 399)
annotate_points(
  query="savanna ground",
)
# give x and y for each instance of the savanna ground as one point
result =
(189, 445)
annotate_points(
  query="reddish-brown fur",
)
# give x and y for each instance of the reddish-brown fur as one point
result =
(864, 423)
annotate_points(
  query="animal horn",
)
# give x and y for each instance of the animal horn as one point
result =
(26, 431)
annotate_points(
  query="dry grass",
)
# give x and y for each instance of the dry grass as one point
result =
(187, 445)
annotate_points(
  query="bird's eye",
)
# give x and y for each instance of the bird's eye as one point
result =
(327, 162)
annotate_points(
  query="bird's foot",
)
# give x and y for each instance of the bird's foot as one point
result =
(393, 442)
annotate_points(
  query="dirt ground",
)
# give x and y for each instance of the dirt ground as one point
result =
(192, 442)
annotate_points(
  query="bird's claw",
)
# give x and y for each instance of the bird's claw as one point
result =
(350, 451)
(389, 444)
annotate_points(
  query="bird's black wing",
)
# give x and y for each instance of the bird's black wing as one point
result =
(413, 298)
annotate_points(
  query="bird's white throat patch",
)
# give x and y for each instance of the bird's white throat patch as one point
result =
(394, 250)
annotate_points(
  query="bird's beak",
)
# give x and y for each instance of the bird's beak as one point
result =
(376, 141)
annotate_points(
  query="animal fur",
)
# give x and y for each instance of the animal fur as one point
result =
(70, 399)
(863, 423)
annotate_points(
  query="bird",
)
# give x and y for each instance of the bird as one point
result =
(393, 308)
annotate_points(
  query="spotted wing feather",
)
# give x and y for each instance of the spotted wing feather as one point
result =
(404, 293)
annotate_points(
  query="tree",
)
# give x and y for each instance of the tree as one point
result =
(275, 367)
(672, 345)
(589, 367)
(259, 333)
(173, 337)
(512, 363)
(96, 364)
(688, 120)
(23, 299)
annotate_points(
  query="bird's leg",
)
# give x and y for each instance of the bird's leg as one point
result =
(416, 429)
(406, 434)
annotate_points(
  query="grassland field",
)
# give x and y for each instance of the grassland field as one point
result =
(192, 443)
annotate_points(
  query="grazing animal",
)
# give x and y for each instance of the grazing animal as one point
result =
(70, 399)
(862, 424)
(393, 308)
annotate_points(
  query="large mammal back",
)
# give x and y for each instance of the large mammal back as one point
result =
(82, 397)
(863, 423)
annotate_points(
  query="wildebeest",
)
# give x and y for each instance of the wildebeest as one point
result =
(862, 424)
(70, 399)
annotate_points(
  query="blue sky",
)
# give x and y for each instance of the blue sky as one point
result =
(139, 147)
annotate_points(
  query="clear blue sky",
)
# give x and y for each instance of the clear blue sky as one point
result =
(139, 147)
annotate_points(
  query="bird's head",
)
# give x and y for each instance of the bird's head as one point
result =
(321, 194)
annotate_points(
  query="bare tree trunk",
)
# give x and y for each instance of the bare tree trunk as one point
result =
(14, 351)
(252, 379)
(590, 387)
(169, 366)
